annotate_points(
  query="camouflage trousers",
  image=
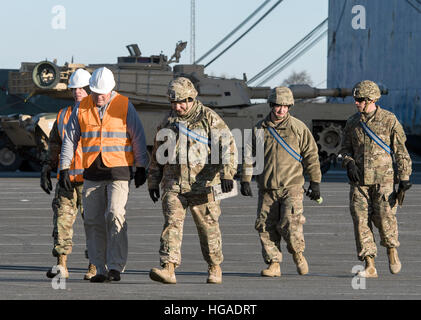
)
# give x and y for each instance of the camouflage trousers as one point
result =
(205, 215)
(373, 204)
(65, 207)
(280, 215)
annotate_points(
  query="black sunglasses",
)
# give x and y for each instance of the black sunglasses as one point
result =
(359, 99)
(175, 101)
(271, 104)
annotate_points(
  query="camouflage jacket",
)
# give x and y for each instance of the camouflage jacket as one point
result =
(374, 163)
(51, 154)
(280, 169)
(184, 163)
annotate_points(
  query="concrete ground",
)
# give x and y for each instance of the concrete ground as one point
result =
(26, 243)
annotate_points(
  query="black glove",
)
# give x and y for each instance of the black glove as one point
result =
(404, 185)
(154, 194)
(227, 185)
(46, 179)
(353, 172)
(245, 189)
(64, 180)
(313, 191)
(139, 176)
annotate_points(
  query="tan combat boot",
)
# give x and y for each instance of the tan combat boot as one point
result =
(61, 268)
(62, 262)
(394, 262)
(370, 270)
(273, 270)
(301, 262)
(91, 272)
(164, 275)
(214, 274)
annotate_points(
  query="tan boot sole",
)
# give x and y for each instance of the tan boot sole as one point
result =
(302, 271)
(273, 270)
(365, 274)
(271, 275)
(302, 268)
(395, 268)
(156, 275)
(214, 281)
(394, 264)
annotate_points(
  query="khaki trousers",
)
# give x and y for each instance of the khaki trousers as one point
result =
(105, 223)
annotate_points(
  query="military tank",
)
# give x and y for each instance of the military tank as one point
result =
(145, 79)
(20, 129)
(22, 140)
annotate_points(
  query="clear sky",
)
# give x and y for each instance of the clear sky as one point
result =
(98, 31)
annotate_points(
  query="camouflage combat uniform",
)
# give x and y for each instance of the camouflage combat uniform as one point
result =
(373, 200)
(65, 204)
(187, 184)
(280, 204)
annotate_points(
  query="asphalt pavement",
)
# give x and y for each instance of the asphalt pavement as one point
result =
(26, 243)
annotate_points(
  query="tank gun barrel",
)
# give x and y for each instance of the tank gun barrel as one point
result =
(306, 92)
(259, 92)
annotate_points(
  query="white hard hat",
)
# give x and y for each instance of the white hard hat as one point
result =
(102, 81)
(79, 79)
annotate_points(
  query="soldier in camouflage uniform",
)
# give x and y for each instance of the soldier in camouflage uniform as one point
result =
(183, 166)
(65, 204)
(370, 168)
(280, 204)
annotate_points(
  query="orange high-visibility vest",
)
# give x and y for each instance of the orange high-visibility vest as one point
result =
(76, 168)
(109, 136)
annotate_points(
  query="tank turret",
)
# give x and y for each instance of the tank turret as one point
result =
(145, 79)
